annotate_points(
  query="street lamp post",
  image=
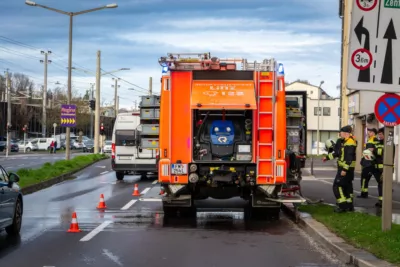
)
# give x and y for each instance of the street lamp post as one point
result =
(54, 130)
(71, 15)
(97, 108)
(319, 114)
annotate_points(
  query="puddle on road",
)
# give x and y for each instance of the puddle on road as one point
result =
(222, 221)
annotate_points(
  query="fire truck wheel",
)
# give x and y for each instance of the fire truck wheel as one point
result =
(120, 175)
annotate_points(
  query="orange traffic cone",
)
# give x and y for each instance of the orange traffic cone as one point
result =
(74, 228)
(102, 204)
(136, 191)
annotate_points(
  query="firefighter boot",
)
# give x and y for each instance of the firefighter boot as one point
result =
(340, 208)
(363, 195)
(379, 203)
(350, 206)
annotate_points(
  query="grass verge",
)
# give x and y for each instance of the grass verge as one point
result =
(48, 170)
(360, 230)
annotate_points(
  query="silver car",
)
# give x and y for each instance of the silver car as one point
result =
(11, 202)
(107, 146)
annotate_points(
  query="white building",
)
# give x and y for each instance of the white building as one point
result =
(329, 119)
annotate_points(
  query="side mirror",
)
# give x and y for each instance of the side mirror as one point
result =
(13, 177)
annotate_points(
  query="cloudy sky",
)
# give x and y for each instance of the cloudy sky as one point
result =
(304, 35)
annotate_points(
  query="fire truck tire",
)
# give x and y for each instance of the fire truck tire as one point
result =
(119, 175)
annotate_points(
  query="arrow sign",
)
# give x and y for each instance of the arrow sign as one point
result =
(387, 71)
(360, 30)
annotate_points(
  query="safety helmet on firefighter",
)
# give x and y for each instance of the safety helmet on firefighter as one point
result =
(368, 155)
(329, 144)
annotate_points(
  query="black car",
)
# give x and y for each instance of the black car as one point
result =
(88, 146)
(13, 146)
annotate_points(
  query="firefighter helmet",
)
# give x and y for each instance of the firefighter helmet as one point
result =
(368, 155)
(329, 144)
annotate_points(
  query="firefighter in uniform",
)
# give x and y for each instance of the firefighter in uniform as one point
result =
(379, 148)
(367, 163)
(345, 151)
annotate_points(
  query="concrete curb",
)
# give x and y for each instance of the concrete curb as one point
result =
(344, 252)
(45, 184)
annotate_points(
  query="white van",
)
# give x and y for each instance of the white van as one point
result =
(126, 155)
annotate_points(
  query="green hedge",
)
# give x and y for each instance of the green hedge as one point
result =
(48, 170)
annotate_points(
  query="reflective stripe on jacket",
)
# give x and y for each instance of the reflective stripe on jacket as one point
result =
(347, 159)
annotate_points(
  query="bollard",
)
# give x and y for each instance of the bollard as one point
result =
(312, 165)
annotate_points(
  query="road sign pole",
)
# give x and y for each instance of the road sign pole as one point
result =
(387, 179)
(387, 111)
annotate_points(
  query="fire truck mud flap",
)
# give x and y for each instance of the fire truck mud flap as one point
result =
(179, 201)
(176, 197)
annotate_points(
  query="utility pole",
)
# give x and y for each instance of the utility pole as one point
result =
(8, 90)
(116, 86)
(118, 104)
(150, 86)
(91, 111)
(44, 115)
(97, 109)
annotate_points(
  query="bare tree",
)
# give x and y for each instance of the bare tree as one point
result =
(21, 82)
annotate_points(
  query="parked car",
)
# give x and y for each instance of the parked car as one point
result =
(107, 146)
(29, 145)
(88, 146)
(11, 202)
(14, 147)
(75, 144)
(3, 145)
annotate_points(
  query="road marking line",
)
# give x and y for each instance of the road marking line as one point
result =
(95, 231)
(21, 164)
(103, 167)
(145, 191)
(104, 172)
(155, 182)
(129, 204)
(150, 199)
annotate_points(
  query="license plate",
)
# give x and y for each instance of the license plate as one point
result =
(124, 157)
(178, 169)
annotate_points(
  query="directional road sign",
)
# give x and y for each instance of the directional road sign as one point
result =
(387, 109)
(68, 115)
(374, 61)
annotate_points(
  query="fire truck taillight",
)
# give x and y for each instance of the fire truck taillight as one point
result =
(113, 151)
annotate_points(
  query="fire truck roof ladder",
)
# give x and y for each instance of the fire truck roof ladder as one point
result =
(194, 61)
(265, 65)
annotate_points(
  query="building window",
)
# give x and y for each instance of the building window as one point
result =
(316, 111)
(327, 111)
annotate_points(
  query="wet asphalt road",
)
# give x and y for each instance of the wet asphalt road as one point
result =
(133, 231)
(320, 187)
(17, 161)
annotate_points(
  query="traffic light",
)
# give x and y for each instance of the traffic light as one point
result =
(102, 129)
(92, 104)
